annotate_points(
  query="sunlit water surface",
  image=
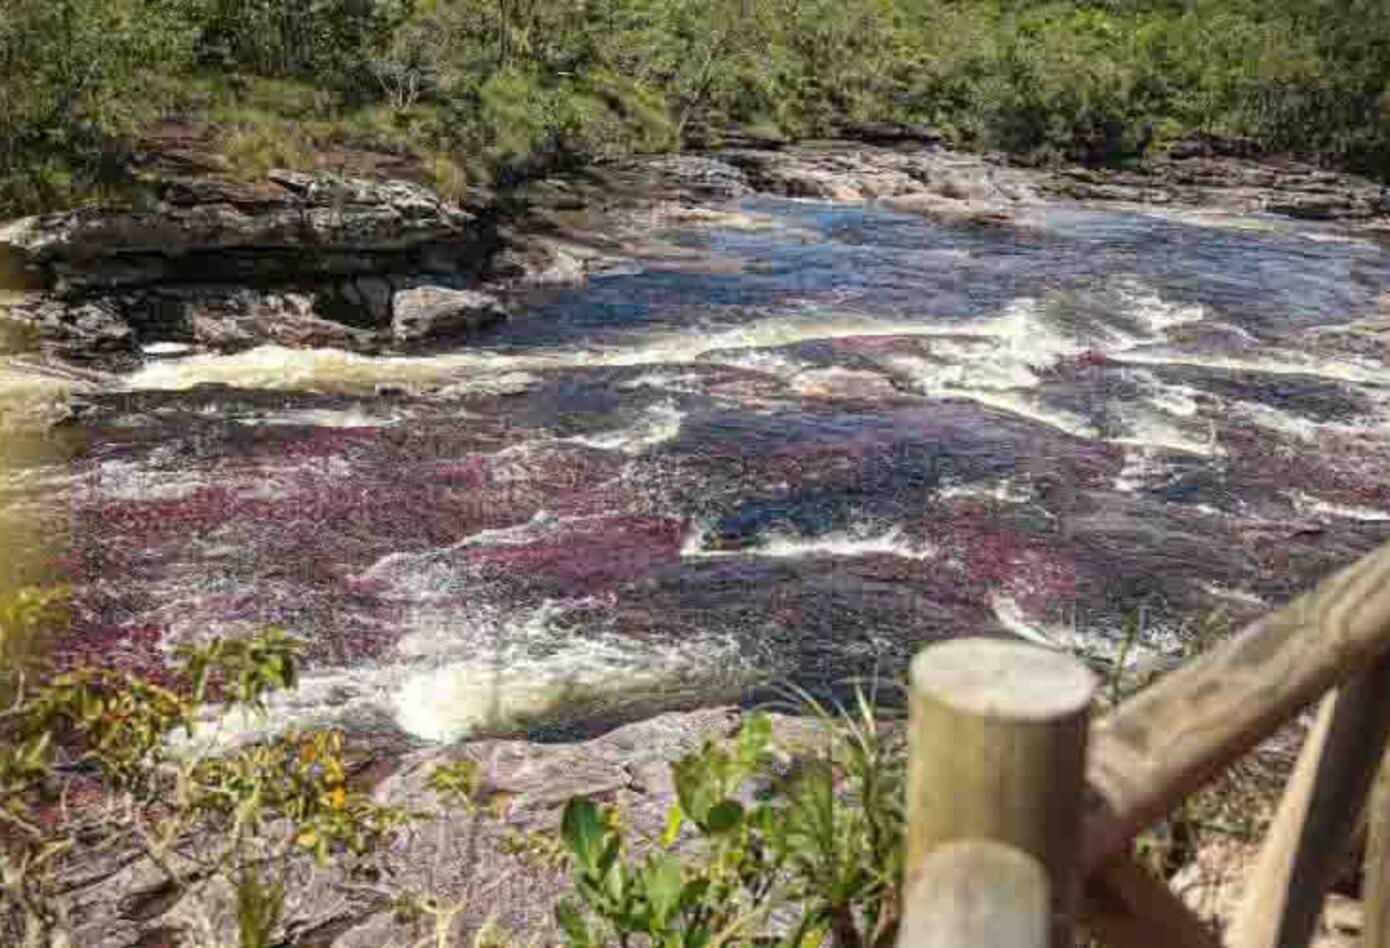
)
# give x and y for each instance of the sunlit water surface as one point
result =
(856, 433)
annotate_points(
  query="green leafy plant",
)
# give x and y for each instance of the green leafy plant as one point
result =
(111, 739)
(810, 839)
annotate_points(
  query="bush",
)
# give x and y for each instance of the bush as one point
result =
(805, 848)
(511, 87)
(107, 739)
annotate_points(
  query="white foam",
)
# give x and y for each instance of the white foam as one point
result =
(460, 671)
(355, 417)
(838, 544)
(1157, 314)
(660, 423)
(1143, 467)
(166, 349)
(490, 670)
(1241, 596)
(1284, 363)
(1309, 505)
(1148, 429)
(281, 368)
(128, 480)
(1278, 420)
(1003, 491)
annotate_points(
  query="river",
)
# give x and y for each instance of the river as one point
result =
(826, 437)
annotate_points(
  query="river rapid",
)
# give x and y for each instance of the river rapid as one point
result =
(807, 441)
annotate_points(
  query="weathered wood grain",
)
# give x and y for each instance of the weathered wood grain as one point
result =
(1311, 834)
(1375, 880)
(977, 893)
(1167, 741)
(1126, 907)
(997, 750)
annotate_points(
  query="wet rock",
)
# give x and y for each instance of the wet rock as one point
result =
(83, 331)
(702, 176)
(548, 262)
(925, 179)
(234, 320)
(1226, 180)
(433, 312)
(1312, 206)
(947, 210)
(839, 383)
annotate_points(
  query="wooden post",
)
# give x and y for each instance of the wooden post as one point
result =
(1375, 879)
(1168, 740)
(1321, 806)
(977, 893)
(997, 752)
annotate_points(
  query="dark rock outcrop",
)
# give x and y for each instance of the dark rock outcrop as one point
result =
(297, 259)
(290, 227)
(434, 312)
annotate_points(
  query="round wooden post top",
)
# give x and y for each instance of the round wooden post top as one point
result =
(997, 678)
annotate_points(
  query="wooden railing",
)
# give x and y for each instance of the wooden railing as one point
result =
(1023, 806)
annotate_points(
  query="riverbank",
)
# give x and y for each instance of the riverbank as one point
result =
(382, 266)
(766, 414)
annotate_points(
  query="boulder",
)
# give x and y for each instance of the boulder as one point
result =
(81, 331)
(701, 176)
(947, 210)
(292, 226)
(433, 312)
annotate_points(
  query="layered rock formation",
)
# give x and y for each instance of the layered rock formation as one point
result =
(298, 259)
(324, 260)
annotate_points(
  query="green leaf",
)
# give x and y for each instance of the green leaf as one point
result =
(754, 739)
(664, 884)
(614, 881)
(674, 819)
(572, 922)
(582, 829)
(724, 817)
(695, 786)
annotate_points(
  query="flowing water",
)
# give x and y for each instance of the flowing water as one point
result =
(844, 434)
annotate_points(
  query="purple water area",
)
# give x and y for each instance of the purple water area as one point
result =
(881, 433)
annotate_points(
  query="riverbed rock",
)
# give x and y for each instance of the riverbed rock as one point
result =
(1226, 183)
(88, 330)
(292, 225)
(451, 855)
(949, 210)
(927, 178)
(435, 312)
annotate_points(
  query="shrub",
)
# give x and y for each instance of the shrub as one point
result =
(805, 848)
(107, 739)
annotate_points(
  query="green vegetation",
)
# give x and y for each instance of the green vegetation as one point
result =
(794, 842)
(484, 89)
(91, 765)
(816, 840)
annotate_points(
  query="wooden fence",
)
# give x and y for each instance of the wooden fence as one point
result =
(1023, 805)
